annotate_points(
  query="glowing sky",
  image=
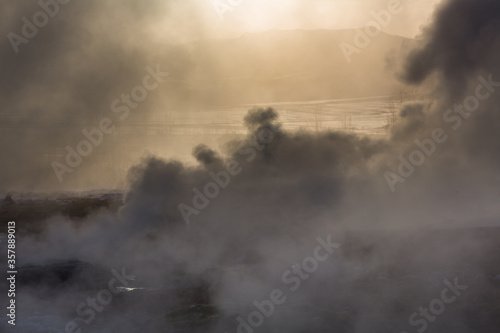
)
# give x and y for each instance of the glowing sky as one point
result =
(260, 15)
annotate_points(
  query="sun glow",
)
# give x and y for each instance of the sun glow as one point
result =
(261, 15)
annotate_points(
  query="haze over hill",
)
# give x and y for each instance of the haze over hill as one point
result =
(293, 65)
(256, 68)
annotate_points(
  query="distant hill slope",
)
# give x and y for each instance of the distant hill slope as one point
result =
(291, 65)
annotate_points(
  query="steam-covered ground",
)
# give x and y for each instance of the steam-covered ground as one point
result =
(374, 282)
(264, 236)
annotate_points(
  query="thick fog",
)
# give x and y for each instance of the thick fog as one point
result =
(64, 74)
(247, 216)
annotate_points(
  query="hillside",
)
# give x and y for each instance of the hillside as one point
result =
(293, 65)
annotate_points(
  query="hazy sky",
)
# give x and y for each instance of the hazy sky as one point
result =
(92, 51)
(258, 15)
